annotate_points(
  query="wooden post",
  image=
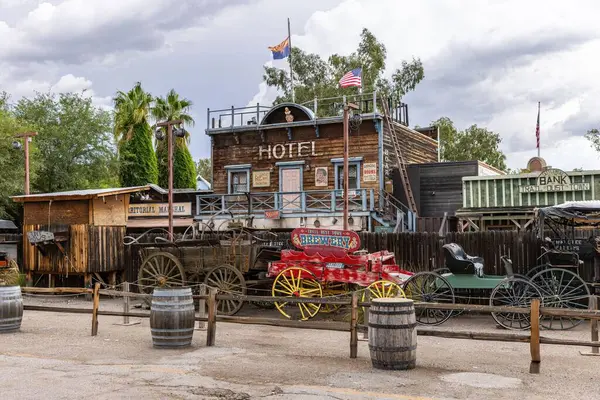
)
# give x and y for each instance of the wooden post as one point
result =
(202, 308)
(366, 313)
(95, 309)
(125, 303)
(534, 338)
(353, 323)
(212, 317)
(593, 328)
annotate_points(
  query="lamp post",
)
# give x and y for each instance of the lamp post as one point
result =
(347, 107)
(179, 132)
(17, 145)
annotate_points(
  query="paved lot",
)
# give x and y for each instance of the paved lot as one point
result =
(54, 357)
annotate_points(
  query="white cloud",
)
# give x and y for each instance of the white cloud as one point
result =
(487, 63)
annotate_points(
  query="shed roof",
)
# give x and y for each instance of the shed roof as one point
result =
(79, 194)
(7, 225)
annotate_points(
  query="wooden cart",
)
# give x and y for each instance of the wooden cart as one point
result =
(230, 261)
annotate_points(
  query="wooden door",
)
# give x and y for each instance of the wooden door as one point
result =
(291, 181)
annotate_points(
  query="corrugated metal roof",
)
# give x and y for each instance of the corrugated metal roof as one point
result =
(82, 193)
(7, 225)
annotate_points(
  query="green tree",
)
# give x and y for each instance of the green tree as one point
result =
(12, 163)
(315, 77)
(169, 108)
(593, 135)
(204, 168)
(474, 143)
(75, 148)
(137, 159)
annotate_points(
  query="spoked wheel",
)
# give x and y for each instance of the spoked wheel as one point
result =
(561, 288)
(333, 289)
(532, 272)
(160, 269)
(227, 280)
(429, 287)
(381, 289)
(297, 282)
(460, 300)
(516, 292)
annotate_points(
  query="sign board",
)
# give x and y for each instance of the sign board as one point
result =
(321, 176)
(159, 210)
(553, 180)
(370, 172)
(272, 214)
(304, 238)
(261, 178)
(287, 150)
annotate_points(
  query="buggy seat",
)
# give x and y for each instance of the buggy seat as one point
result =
(460, 263)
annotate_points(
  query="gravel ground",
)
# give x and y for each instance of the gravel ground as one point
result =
(53, 356)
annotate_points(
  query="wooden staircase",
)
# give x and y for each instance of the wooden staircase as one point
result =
(412, 205)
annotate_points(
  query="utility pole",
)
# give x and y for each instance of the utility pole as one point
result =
(347, 107)
(169, 125)
(26, 138)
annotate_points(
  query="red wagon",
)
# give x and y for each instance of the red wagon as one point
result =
(329, 263)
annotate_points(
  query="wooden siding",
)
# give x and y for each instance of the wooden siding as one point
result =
(364, 143)
(443, 179)
(110, 210)
(503, 191)
(88, 249)
(416, 147)
(69, 212)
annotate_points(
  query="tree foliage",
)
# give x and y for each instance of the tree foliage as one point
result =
(169, 108)
(593, 135)
(474, 143)
(12, 163)
(74, 148)
(316, 77)
(204, 168)
(137, 159)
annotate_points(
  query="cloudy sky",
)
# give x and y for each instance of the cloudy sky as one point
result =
(486, 61)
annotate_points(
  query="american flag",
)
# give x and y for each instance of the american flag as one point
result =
(352, 78)
(537, 128)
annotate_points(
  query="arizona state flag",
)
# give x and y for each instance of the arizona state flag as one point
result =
(282, 50)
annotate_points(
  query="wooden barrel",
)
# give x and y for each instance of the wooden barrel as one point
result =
(392, 333)
(11, 308)
(172, 317)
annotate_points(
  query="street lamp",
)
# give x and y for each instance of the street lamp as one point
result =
(160, 135)
(17, 146)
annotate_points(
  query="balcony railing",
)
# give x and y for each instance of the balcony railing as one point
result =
(316, 201)
(369, 103)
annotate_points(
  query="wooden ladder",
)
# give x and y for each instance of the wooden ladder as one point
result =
(400, 159)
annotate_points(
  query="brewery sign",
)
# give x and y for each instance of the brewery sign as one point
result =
(554, 180)
(160, 210)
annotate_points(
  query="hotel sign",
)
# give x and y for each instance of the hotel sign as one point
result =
(160, 210)
(554, 180)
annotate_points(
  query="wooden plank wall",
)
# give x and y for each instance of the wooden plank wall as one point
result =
(89, 249)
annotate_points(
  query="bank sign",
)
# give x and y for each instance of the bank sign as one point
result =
(554, 180)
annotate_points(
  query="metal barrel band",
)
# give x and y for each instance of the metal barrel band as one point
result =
(385, 312)
(394, 364)
(386, 326)
(393, 349)
(172, 330)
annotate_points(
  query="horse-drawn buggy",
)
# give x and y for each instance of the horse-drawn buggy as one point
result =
(232, 261)
(329, 263)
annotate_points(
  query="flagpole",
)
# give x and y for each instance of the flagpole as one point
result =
(291, 68)
(538, 130)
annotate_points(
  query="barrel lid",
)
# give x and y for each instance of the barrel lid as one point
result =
(392, 300)
(172, 291)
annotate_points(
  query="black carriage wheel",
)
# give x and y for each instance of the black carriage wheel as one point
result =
(160, 269)
(532, 272)
(227, 280)
(429, 287)
(562, 288)
(514, 291)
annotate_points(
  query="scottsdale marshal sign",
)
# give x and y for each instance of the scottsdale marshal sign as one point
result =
(554, 180)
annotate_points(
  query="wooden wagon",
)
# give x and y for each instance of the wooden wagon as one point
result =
(230, 261)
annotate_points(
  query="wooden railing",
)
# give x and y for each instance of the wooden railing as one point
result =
(532, 337)
(321, 201)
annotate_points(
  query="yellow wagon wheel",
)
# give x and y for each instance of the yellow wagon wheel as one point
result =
(333, 289)
(382, 289)
(293, 282)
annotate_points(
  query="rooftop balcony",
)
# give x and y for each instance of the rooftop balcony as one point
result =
(331, 107)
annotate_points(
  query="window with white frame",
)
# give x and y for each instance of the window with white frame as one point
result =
(238, 178)
(353, 172)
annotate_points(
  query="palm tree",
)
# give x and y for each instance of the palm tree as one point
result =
(169, 108)
(137, 160)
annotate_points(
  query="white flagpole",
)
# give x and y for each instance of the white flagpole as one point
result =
(291, 69)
